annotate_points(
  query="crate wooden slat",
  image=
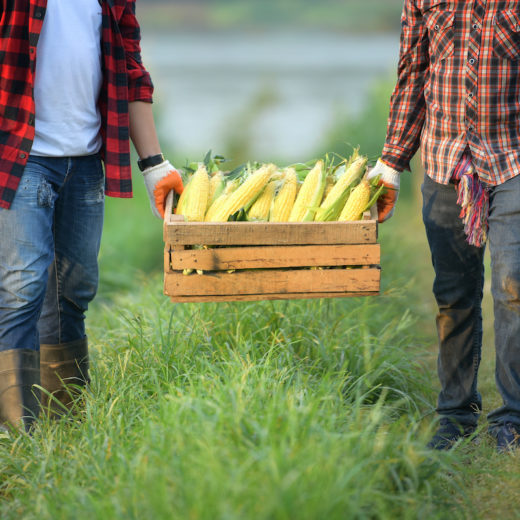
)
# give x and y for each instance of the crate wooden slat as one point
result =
(269, 261)
(295, 281)
(265, 296)
(258, 257)
(268, 233)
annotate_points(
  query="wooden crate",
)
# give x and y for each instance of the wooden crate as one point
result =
(269, 261)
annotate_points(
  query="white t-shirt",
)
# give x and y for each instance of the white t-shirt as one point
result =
(68, 80)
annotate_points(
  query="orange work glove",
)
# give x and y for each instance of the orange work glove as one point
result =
(159, 181)
(390, 179)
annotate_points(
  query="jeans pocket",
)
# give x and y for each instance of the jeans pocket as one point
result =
(34, 189)
(91, 182)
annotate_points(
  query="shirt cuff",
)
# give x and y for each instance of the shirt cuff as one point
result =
(395, 157)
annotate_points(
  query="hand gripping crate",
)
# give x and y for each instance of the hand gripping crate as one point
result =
(269, 260)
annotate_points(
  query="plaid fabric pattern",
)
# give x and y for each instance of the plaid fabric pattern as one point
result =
(458, 87)
(125, 79)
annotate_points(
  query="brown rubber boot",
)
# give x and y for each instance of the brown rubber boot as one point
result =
(19, 399)
(64, 373)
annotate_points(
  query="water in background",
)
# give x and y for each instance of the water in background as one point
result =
(278, 94)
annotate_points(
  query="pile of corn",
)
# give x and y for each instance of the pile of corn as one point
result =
(325, 191)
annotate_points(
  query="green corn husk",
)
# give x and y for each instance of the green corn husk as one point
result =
(331, 207)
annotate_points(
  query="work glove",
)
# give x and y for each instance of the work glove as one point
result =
(159, 181)
(390, 179)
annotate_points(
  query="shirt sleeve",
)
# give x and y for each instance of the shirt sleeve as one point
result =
(407, 104)
(140, 86)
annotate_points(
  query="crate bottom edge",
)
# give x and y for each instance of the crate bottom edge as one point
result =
(270, 296)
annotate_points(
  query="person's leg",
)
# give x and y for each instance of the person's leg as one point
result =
(26, 251)
(459, 276)
(504, 245)
(72, 283)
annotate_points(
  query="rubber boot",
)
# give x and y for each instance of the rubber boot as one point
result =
(64, 373)
(19, 398)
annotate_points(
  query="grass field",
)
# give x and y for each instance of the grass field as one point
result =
(273, 410)
(302, 409)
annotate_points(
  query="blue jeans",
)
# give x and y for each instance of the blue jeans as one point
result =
(48, 251)
(459, 279)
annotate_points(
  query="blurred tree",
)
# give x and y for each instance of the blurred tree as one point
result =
(351, 15)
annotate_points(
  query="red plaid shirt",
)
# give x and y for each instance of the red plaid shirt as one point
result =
(124, 80)
(458, 86)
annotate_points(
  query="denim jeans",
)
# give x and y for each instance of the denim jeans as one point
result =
(458, 284)
(48, 251)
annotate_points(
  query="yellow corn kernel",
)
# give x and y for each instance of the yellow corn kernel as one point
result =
(219, 201)
(284, 201)
(328, 187)
(194, 207)
(357, 202)
(310, 194)
(216, 187)
(244, 194)
(262, 205)
(182, 199)
(332, 204)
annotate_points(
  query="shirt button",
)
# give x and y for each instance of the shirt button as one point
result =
(471, 61)
(437, 27)
(475, 26)
(38, 14)
(470, 95)
(471, 128)
(22, 156)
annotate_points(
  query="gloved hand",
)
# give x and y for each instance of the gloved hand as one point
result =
(159, 181)
(389, 178)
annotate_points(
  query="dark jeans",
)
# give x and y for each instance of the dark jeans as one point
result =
(459, 278)
(48, 251)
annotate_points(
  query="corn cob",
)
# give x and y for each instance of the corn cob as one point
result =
(284, 201)
(357, 202)
(335, 200)
(262, 205)
(219, 201)
(216, 187)
(310, 194)
(328, 187)
(182, 199)
(245, 194)
(194, 206)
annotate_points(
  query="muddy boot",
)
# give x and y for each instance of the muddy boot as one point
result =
(64, 374)
(19, 399)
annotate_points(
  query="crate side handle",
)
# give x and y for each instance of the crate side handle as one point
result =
(168, 209)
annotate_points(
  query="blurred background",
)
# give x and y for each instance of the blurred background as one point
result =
(269, 79)
(266, 80)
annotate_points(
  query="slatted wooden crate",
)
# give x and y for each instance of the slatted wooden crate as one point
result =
(269, 261)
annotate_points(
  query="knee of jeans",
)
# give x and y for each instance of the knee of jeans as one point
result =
(510, 292)
(457, 290)
(23, 289)
(78, 284)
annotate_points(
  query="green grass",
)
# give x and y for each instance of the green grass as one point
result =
(270, 410)
(299, 409)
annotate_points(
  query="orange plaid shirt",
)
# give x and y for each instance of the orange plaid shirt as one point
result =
(458, 87)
